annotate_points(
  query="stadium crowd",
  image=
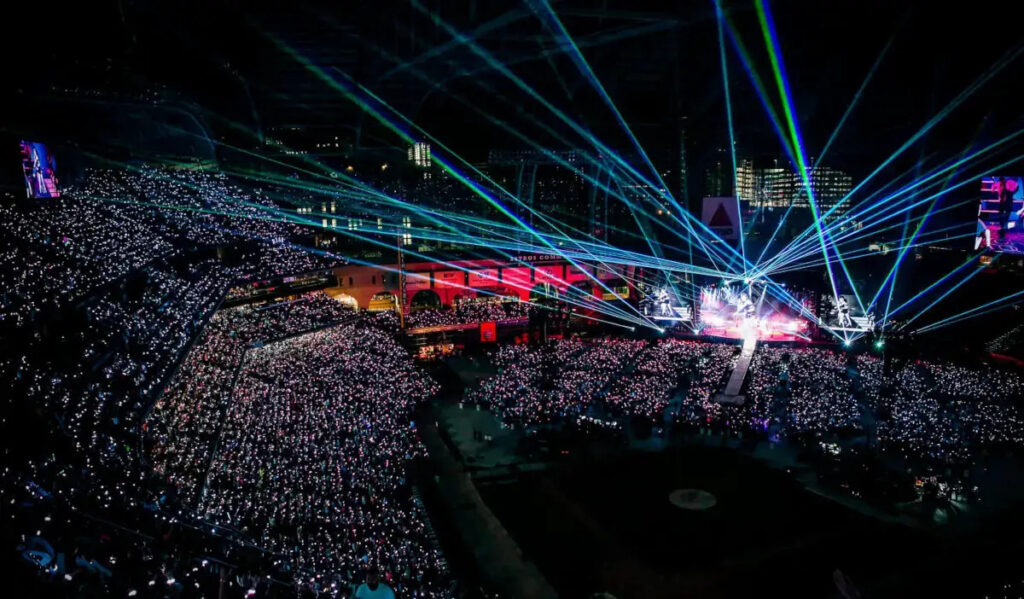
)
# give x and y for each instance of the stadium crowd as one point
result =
(942, 413)
(933, 417)
(607, 377)
(62, 249)
(104, 291)
(468, 312)
(116, 221)
(158, 533)
(187, 416)
(276, 447)
(78, 393)
(311, 461)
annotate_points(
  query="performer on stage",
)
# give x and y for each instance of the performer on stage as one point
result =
(1005, 194)
(843, 308)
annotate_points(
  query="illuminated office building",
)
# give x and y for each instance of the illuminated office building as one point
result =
(779, 187)
(775, 187)
(828, 186)
(746, 180)
(419, 154)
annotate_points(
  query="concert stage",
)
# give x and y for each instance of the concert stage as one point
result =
(741, 333)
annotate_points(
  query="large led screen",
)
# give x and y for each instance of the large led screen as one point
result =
(746, 309)
(1001, 215)
(844, 313)
(40, 170)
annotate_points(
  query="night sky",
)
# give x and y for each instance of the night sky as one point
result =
(659, 61)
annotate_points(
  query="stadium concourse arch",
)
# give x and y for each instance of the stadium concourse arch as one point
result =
(526, 277)
(425, 299)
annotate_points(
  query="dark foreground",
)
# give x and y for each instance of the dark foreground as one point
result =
(607, 525)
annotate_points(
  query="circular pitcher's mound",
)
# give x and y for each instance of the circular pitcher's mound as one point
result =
(692, 499)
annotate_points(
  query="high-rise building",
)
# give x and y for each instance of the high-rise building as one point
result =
(684, 190)
(829, 186)
(718, 178)
(419, 154)
(764, 186)
(747, 181)
(775, 187)
(778, 187)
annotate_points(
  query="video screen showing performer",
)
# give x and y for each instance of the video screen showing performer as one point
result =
(743, 309)
(843, 313)
(1001, 215)
(40, 170)
(665, 300)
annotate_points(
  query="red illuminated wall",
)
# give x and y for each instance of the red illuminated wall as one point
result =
(361, 282)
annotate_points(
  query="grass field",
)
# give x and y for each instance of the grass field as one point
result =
(609, 526)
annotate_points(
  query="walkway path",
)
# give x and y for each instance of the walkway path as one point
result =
(498, 557)
(739, 373)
